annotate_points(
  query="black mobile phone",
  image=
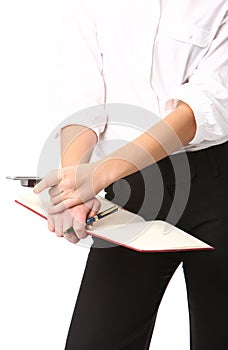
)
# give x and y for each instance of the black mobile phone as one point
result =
(26, 181)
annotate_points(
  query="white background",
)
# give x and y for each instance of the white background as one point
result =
(41, 274)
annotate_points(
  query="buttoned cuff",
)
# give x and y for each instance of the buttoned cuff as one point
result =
(201, 107)
(94, 118)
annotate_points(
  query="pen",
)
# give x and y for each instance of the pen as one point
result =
(30, 181)
(97, 217)
(102, 214)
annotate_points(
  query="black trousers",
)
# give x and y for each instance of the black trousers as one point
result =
(121, 289)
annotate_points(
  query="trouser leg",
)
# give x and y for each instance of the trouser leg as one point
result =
(206, 273)
(207, 284)
(119, 298)
(121, 289)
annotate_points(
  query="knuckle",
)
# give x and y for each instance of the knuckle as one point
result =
(60, 187)
(66, 183)
(58, 234)
(50, 191)
(58, 231)
(89, 227)
(55, 200)
(52, 200)
(81, 234)
(51, 228)
(72, 238)
(75, 239)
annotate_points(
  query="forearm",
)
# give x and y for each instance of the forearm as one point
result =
(167, 136)
(77, 144)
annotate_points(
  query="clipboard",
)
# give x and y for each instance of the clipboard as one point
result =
(127, 229)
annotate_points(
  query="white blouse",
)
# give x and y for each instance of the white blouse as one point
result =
(127, 63)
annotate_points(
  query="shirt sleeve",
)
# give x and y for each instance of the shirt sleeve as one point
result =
(79, 89)
(206, 91)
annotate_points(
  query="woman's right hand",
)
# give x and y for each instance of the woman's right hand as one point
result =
(73, 185)
(74, 217)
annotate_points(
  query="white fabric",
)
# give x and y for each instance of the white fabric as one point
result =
(147, 53)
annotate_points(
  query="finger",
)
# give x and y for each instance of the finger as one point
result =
(96, 205)
(59, 233)
(58, 223)
(52, 179)
(65, 204)
(70, 235)
(61, 191)
(79, 229)
(68, 230)
(54, 191)
(56, 199)
(51, 223)
(59, 198)
(51, 226)
(89, 227)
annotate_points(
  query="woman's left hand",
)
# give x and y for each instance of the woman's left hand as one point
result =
(74, 219)
(72, 185)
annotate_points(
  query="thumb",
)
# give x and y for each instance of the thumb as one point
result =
(96, 205)
(53, 178)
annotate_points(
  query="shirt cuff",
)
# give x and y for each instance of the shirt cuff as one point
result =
(201, 107)
(94, 118)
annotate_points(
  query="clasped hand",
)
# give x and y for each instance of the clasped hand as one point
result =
(70, 186)
(72, 190)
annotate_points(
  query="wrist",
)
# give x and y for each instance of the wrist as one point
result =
(113, 168)
(102, 177)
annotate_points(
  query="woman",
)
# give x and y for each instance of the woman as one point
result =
(169, 58)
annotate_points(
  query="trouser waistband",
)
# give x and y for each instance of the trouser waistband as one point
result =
(211, 161)
(186, 166)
